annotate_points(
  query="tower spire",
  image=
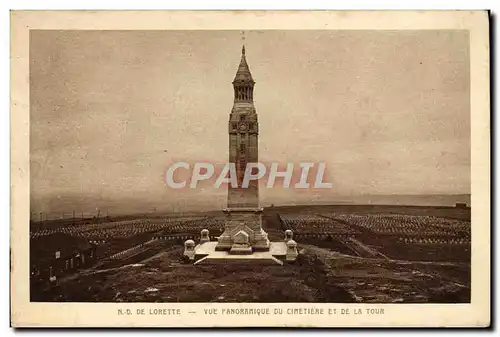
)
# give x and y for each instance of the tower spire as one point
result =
(243, 73)
(243, 43)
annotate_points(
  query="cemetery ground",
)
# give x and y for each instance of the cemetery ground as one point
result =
(348, 254)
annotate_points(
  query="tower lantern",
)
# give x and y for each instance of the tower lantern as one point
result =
(243, 82)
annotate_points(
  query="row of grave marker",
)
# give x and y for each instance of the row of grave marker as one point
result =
(129, 250)
(431, 241)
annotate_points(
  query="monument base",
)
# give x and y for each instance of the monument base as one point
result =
(206, 254)
(243, 228)
(240, 251)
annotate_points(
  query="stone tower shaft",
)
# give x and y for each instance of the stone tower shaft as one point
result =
(243, 136)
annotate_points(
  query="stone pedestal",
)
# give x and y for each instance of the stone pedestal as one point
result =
(189, 251)
(291, 250)
(243, 232)
(205, 236)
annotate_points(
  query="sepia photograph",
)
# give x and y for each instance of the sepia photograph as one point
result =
(248, 165)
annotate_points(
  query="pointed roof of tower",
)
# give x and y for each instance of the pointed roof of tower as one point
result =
(243, 73)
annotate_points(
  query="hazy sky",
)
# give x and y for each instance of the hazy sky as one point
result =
(388, 111)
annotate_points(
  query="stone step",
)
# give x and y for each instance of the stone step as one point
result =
(228, 259)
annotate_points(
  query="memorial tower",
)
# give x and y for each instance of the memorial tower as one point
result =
(243, 232)
(243, 137)
(243, 240)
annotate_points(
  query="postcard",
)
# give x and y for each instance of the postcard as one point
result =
(250, 169)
